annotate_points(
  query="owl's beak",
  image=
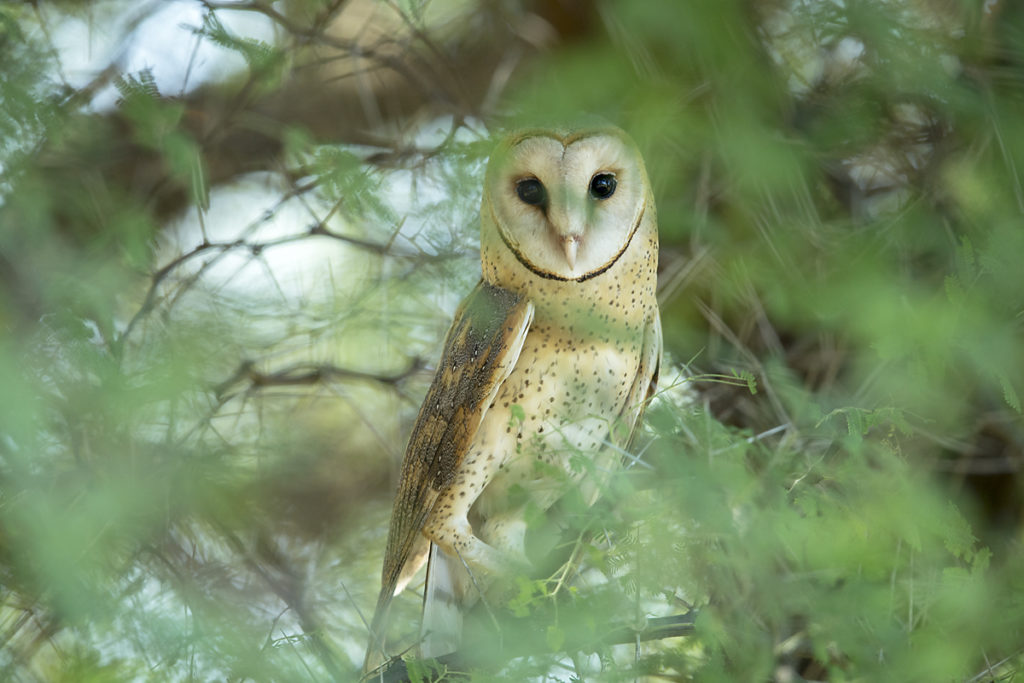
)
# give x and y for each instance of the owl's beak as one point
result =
(566, 221)
(570, 244)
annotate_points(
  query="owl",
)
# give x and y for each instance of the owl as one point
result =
(552, 357)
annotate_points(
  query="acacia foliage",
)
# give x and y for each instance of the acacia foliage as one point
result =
(221, 302)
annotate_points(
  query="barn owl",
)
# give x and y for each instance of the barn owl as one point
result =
(552, 356)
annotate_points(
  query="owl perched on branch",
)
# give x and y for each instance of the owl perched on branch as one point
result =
(553, 356)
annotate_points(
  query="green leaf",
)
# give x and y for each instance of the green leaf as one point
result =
(555, 637)
(959, 538)
(1009, 393)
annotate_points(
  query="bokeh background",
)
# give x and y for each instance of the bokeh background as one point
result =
(233, 234)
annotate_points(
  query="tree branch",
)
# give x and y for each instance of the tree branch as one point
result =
(309, 373)
(676, 626)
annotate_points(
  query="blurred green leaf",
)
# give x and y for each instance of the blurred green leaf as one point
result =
(221, 304)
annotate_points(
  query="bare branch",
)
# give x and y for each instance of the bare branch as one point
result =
(303, 374)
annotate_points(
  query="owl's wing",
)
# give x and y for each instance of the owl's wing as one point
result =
(646, 381)
(480, 351)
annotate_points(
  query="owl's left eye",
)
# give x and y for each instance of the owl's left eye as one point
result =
(602, 186)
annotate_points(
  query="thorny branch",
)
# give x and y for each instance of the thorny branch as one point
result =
(220, 249)
(676, 626)
(307, 373)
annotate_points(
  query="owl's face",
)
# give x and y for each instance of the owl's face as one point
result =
(567, 205)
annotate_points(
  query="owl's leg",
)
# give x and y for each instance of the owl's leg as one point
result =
(507, 531)
(451, 531)
(448, 526)
(462, 568)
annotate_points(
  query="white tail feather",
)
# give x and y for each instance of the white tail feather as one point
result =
(441, 630)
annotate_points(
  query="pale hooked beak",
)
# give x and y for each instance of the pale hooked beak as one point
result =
(571, 244)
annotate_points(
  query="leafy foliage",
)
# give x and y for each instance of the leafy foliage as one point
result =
(221, 298)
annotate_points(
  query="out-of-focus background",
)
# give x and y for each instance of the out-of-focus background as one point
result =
(233, 234)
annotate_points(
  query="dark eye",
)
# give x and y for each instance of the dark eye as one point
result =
(602, 186)
(531, 191)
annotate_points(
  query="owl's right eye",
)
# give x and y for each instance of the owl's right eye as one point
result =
(531, 191)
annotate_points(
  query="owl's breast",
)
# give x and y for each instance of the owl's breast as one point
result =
(553, 414)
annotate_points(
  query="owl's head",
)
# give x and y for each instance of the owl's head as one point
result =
(566, 204)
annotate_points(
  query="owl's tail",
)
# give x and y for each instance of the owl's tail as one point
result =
(375, 649)
(443, 598)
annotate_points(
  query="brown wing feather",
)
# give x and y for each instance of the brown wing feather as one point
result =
(480, 350)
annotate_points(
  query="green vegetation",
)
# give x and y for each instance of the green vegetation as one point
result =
(222, 291)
